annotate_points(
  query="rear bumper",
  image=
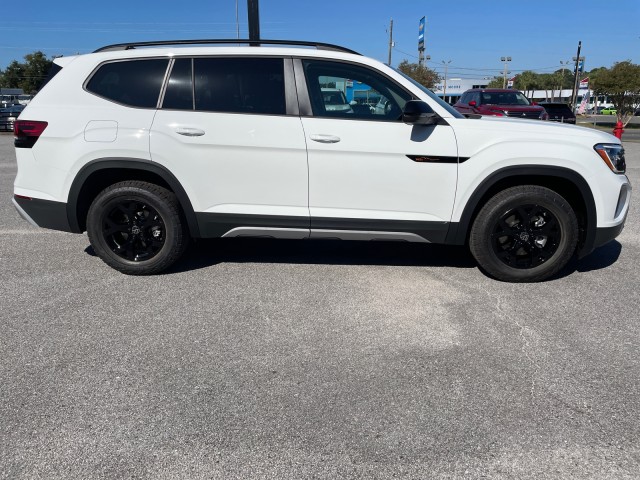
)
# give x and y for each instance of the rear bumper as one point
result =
(43, 213)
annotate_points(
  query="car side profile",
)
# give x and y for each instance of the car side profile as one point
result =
(500, 103)
(145, 148)
(8, 116)
(558, 112)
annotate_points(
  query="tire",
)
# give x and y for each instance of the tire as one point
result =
(137, 227)
(524, 234)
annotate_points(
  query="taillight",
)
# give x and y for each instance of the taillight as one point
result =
(27, 132)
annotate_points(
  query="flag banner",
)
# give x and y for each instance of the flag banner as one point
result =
(585, 101)
(584, 83)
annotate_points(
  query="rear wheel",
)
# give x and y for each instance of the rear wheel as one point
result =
(524, 234)
(137, 227)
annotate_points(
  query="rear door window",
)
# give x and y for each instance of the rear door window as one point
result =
(135, 83)
(179, 93)
(240, 85)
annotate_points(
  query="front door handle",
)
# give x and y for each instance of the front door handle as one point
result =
(189, 131)
(323, 138)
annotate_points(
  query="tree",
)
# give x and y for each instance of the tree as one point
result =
(527, 81)
(36, 68)
(621, 83)
(12, 76)
(28, 75)
(423, 75)
(496, 82)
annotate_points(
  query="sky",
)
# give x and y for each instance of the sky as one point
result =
(472, 35)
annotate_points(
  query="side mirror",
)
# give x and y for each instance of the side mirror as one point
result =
(416, 112)
(473, 103)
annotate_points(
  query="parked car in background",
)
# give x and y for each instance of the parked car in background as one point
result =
(335, 100)
(609, 111)
(8, 116)
(24, 99)
(558, 112)
(499, 103)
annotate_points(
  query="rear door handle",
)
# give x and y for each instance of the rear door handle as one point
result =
(189, 131)
(323, 138)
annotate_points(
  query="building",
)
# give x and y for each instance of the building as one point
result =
(457, 86)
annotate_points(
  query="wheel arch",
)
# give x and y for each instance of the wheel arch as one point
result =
(567, 183)
(99, 174)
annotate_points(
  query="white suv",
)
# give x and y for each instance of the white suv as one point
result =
(146, 147)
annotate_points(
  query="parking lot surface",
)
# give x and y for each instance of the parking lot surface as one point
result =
(314, 359)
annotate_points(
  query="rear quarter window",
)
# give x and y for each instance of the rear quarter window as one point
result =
(135, 83)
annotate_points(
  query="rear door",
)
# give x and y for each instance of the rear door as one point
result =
(229, 130)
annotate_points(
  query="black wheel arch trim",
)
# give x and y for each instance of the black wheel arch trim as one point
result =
(130, 164)
(459, 231)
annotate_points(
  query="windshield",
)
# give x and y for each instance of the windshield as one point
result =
(504, 98)
(433, 96)
(334, 98)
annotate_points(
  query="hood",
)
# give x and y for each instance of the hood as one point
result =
(514, 108)
(491, 130)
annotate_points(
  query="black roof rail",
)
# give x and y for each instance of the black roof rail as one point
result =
(228, 41)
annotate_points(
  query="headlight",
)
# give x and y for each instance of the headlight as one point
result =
(613, 156)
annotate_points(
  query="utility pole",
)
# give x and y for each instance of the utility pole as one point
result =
(444, 90)
(563, 65)
(506, 61)
(574, 94)
(254, 22)
(390, 40)
(237, 22)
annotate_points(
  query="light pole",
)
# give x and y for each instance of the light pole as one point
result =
(444, 90)
(506, 61)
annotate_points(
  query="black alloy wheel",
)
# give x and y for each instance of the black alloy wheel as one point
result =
(526, 236)
(525, 233)
(137, 227)
(134, 230)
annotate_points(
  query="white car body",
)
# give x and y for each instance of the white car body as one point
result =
(280, 173)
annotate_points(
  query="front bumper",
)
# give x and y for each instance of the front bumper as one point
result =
(603, 235)
(606, 234)
(43, 213)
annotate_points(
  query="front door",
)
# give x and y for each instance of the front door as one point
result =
(368, 171)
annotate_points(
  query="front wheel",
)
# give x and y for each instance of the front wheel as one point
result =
(524, 234)
(137, 227)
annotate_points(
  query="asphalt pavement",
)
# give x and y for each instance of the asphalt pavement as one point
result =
(314, 359)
